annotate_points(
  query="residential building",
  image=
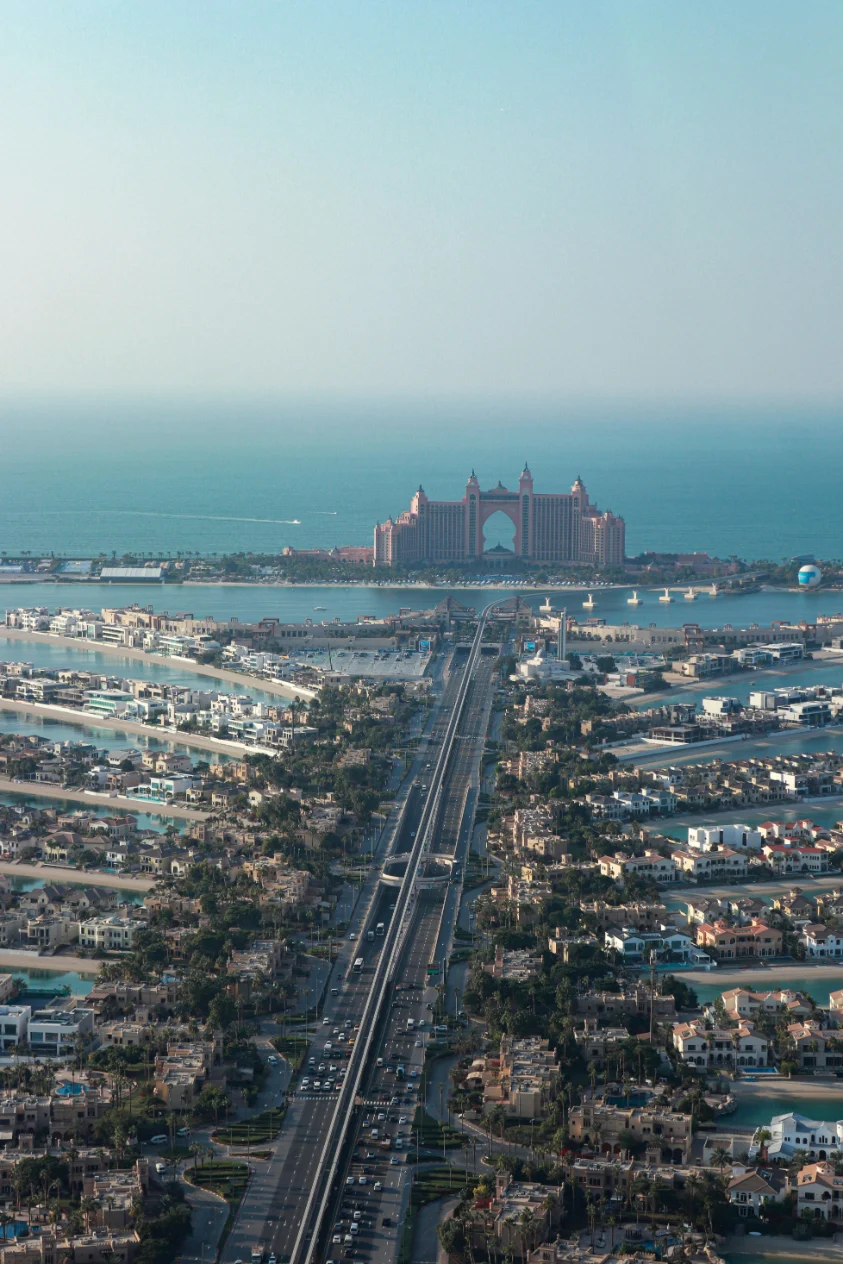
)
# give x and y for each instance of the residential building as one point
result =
(54, 1032)
(600, 1127)
(792, 1132)
(729, 942)
(700, 1046)
(819, 1192)
(751, 1189)
(109, 934)
(651, 866)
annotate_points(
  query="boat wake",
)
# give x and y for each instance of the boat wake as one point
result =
(151, 513)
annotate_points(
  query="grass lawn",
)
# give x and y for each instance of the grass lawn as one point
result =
(438, 1182)
(221, 1177)
(259, 1128)
(432, 1134)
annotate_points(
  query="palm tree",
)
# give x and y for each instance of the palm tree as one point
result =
(640, 1190)
(89, 1207)
(720, 1158)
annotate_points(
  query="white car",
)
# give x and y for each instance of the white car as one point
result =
(272, 1059)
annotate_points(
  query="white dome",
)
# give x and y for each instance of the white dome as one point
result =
(809, 576)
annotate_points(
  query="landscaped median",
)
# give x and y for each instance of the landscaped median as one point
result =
(223, 1177)
(437, 1182)
(254, 1131)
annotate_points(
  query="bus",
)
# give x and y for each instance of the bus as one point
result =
(358, 965)
(379, 930)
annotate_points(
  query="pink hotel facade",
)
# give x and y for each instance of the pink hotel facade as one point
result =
(549, 527)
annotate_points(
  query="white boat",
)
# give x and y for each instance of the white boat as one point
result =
(666, 596)
(690, 595)
(634, 600)
(589, 605)
(320, 607)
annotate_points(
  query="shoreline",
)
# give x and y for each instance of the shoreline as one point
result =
(78, 877)
(780, 1247)
(781, 1086)
(57, 965)
(278, 688)
(45, 790)
(775, 973)
(70, 715)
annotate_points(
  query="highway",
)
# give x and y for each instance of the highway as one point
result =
(290, 1204)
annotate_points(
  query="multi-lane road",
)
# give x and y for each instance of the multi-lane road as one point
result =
(299, 1199)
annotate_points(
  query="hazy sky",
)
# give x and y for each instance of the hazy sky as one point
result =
(582, 199)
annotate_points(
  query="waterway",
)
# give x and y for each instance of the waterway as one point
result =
(346, 602)
(42, 980)
(816, 985)
(146, 820)
(755, 1109)
(49, 655)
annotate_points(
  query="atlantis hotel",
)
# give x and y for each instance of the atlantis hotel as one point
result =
(549, 527)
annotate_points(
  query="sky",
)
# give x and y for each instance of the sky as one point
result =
(468, 199)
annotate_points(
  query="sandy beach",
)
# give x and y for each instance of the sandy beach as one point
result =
(118, 803)
(771, 1247)
(83, 877)
(766, 978)
(799, 1088)
(277, 688)
(15, 958)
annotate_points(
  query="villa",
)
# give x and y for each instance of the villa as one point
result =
(792, 1132)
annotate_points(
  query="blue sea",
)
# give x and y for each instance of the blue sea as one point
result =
(221, 476)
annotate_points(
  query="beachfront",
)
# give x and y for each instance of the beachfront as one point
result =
(280, 689)
(88, 798)
(73, 715)
(81, 877)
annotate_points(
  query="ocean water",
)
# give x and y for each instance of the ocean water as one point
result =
(221, 476)
(322, 603)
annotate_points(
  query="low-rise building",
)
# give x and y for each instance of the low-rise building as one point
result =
(819, 1192)
(792, 1132)
(651, 866)
(740, 1046)
(751, 1189)
(605, 1128)
(109, 934)
(522, 1079)
(726, 942)
(54, 1032)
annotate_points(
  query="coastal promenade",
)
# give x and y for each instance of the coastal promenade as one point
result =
(82, 877)
(45, 790)
(71, 715)
(279, 689)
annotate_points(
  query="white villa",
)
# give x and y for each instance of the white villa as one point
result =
(817, 1137)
